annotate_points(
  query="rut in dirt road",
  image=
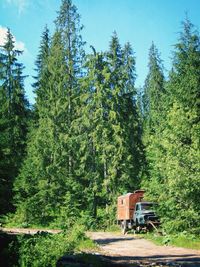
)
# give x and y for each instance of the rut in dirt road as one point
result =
(129, 249)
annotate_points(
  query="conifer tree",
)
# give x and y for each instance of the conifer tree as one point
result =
(42, 173)
(91, 129)
(153, 114)
(108, 122)
(49, 172)
(42, 71)
(123, 117)
(153, 89)
(68, 24)
(131, 120)
(180, 140)
(14, 115)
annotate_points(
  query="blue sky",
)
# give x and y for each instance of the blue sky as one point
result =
(138, 21)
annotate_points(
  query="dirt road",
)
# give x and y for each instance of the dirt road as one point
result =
(134, 251)
(30, 231)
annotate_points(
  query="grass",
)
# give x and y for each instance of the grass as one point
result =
(177, 240)
(87, 245)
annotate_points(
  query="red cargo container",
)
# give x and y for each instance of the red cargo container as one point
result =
(126, 205)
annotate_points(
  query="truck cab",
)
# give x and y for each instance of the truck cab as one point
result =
(144, 213)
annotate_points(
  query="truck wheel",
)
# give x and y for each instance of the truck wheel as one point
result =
(123, 227)
(138, 228)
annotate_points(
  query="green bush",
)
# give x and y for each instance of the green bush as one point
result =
(44, 249)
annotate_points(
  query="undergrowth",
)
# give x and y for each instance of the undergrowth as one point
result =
(44, 249)
(179, 240)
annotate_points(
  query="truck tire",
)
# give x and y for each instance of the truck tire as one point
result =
(138, 228)
(123, 227)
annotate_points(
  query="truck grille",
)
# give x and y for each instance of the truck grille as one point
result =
(151, 217)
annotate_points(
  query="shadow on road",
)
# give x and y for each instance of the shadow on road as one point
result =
(160, 260)
(105, 241)
(89, 260)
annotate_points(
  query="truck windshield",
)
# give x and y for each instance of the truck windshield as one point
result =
(146, 206)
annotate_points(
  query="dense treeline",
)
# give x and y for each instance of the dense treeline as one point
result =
(172, 131)
(91, 136)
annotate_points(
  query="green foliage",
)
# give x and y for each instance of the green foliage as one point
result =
(179, 240)
(173, 146)
(9, 253)
(48, 173)
(42, 249)
(45, 249)
(13, 120)
(92, 138)
(108, 128)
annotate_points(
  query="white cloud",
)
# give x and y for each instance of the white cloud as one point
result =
(20, 4)
(18, 44)
(3, 32)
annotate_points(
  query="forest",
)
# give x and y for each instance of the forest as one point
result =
(92, 135)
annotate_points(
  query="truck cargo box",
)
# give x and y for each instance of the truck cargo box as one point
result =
(126, 204)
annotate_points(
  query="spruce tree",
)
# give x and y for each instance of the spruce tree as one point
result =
(14, 116)
(108, 125)
(131, 120)
(153, 89)
(49, 173)
(180, 138)
(153, 116)
(123, 118)
(69, 26)
(42, 173)
(91, 130)
(42, 71)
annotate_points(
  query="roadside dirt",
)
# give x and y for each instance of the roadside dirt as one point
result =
(134, 251)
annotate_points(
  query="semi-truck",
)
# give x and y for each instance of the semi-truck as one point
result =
(133, 212)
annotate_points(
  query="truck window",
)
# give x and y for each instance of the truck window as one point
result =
(146, 206)
(137, 207)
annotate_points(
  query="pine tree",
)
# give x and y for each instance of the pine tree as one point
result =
(14, 116)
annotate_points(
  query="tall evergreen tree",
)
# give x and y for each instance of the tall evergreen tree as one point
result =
(153, 89)
(180, 137)
(123, 117)
(94, 130)
(42, 71)
(153, 113)
(130, 117)
(42, 173)
(68, 24)
(13, 122)
(171, 138)
(108, 120)
(49, 172)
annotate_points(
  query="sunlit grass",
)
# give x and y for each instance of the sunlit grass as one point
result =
(178, 240)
